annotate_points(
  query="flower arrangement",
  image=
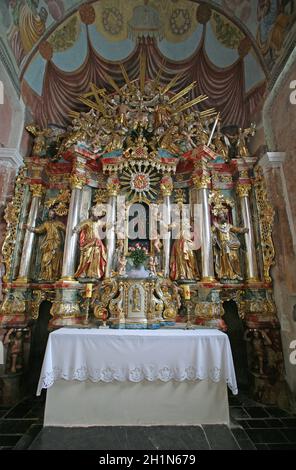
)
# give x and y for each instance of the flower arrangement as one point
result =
(139, 254)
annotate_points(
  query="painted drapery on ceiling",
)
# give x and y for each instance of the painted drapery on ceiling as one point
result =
(229, 47)
(225, 86)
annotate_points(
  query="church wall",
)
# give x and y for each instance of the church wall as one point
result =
(280, 178)
(11, 131)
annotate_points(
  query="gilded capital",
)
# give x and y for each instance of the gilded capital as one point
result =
(37, 190)
(243, 190)
(166, 186)
(201, 181)
(77, 181)
(113, 186)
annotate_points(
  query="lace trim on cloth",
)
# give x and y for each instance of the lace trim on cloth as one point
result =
(136, 374)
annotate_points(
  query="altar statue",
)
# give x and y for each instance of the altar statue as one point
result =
(243, 134)
(51, 247)
(226, 249)
(183, 264)
(93, 255)
(40, 141)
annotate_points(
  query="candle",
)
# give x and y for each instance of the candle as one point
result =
(186, 290)
(213, 130)
(88, 291)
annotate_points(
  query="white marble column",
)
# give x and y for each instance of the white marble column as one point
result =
(71, 239)
(243, 191)
(27, 251)
(201, 183)
(166, 189)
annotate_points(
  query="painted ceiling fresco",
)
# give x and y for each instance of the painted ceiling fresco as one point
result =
(61, 47)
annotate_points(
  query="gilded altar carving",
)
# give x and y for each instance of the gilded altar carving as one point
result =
(266, 218)
(208, 310)
(14, 303)
(60, 203)
(37, 190)
(202, 181)
(38, 296)
(11, 217)
(65, 310)
(77, 181)
(243, 190)
(166, 185)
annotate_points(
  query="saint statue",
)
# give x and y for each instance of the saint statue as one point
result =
(93, 255)
(40, 141)
(51, 247)
(183, 263)
(226, 249)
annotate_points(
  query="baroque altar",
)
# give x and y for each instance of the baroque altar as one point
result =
(144, 213)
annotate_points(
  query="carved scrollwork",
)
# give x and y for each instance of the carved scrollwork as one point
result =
(11, 217)
(266, 217)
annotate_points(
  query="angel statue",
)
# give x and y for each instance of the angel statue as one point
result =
(40, 142)
(226, 249)
(93, 254)
(242, 148)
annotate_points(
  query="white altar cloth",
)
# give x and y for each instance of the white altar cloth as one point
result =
(109, 355)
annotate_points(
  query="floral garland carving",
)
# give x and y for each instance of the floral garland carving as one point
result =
(266, 217)
(11, 217)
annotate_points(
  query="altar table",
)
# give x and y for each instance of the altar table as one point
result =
(98, 377)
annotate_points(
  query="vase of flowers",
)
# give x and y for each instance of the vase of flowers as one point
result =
(138, 255)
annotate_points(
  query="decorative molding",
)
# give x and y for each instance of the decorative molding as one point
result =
(272, 160)
(7, 62)
(275, 160)
(10, 157)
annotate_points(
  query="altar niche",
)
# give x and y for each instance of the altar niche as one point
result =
(137, 227)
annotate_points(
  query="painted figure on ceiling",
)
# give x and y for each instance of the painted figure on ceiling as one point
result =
(272, 24)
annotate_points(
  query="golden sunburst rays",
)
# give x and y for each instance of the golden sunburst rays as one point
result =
(172, 83)
(97, 98)
(191, 103)
(208, 113)
(142, 70)
(139, 181)
(159, 74)
(183, 92)
(125, 76)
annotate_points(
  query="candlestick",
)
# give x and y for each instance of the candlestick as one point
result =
(186, 291)
(88, 291)
(214, 128)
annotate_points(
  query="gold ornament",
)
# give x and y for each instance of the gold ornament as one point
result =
(60, 203)
(77, 181)
(219, 203)
(37, 190)
(201, 181)
(11, 217)
(266, 217)
(243, 190)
